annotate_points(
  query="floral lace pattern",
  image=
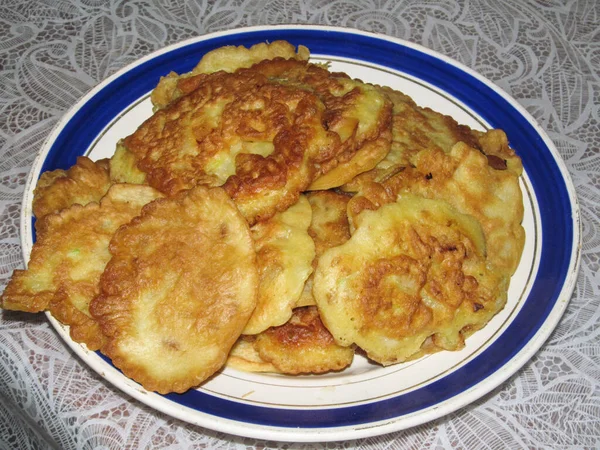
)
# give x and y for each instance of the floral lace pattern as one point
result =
(545, 53)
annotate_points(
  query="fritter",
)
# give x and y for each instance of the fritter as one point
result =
(300, 346)
(464, 178)
(69, 256)
(284, 252)
(86, 181)
(415, 128)
(260, 140)
(228, 59)
(359, 113)
(178, 290)
(413, 276)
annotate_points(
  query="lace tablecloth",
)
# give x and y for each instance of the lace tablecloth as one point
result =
(545, 53)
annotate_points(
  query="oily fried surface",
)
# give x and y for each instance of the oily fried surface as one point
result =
(86, 181)
(178, 290)
(229, 59)
(464, 178)
(258, 139)
(328, 228)
(415, 128)
(300, 346)
(412, 276)
(69, 256)
(284, 252)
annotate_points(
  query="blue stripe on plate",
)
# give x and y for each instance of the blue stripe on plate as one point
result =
(546, 178)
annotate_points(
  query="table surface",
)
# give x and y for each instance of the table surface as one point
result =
(545, 53)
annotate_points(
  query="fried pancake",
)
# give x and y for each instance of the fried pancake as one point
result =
(86, 181)
(69, 256)
(178, 290)
(415, 128)
(328, 228)
(412, 276)
(300, 346)
(359, 113)
(258, 139)
(284, 252)
(463, 178)
(229, 59)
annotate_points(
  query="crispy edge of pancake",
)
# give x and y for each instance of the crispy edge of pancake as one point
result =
(229, 59)
(178, 290)
(365, 159)
(84, 182)
(413, 270)
(68, 258)
(285, 252)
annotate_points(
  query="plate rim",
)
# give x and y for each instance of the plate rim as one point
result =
(467, 396)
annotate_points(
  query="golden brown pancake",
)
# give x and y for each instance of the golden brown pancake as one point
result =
(178, 290)
(69, 256)
(412, 275)
(359, 113)
(260, 140)
(86, 181)
(284, 252)
(300, 346)
(464, 178)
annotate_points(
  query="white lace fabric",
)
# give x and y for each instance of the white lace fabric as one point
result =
(544, 53)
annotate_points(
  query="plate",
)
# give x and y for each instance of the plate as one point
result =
(366, 399)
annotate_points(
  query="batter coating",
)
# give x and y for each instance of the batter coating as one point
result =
(178, 290)
(328, 228)
(68, 257)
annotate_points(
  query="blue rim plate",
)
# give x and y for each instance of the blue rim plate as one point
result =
(366, 400)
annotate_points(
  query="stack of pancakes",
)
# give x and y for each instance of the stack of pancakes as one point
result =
(274, 216)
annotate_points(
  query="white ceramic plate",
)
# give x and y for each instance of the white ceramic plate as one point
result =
(366, 399)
